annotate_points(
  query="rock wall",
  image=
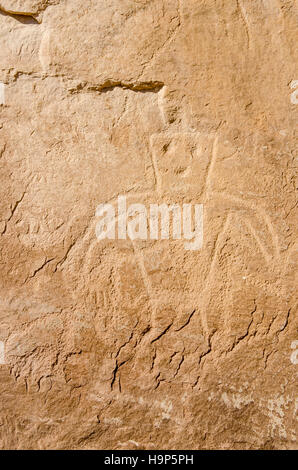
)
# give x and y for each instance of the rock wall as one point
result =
(143, 344)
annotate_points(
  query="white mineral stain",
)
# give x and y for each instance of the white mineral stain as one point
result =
(236, 400)
(294, 355)
(113, 421)
(167, 407)
(276, 414)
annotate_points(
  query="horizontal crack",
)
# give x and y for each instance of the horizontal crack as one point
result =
(109, 85)
(21, 16)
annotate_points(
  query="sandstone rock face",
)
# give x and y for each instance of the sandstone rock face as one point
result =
(142, 344)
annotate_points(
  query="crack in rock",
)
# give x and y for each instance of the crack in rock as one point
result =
(110, 85)
(21, 16)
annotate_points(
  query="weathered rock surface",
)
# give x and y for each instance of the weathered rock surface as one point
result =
(144, 345)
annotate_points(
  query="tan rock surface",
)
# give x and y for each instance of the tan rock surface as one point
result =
(145, 345)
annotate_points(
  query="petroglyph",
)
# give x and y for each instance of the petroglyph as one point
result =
(175, 103)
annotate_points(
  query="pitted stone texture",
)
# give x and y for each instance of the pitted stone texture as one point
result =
(142, 344)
